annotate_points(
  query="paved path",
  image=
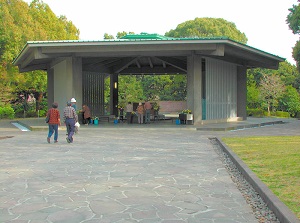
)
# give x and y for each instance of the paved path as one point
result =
(121, 174)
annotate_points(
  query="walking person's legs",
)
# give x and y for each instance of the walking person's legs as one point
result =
(70, 124)
(147, 116)
(128, 114)
(72, 129)
(140, 118)
(55, 127)
(50, 132)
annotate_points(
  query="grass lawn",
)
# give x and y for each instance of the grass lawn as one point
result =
(276, 161)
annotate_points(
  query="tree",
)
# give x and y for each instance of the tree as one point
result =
(20, 23)
(121, 34)
(164, 87)
(129, 88)
(271, 89)
(107, 36)
(208, 27)
(253, 99)
(293, 20)
(118, 36)
(290, 101)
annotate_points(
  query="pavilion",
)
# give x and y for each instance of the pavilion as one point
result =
(215, 68)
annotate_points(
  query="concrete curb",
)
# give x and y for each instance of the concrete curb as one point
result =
(239, 127)
(282, 212)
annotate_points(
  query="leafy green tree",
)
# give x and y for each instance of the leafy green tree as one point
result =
(290, 101)
(253, 98)
(271, 89)
(287, 72)
(118, 36)
(293, 20)
(208, 27)
(107, 36)
(121, 34)
(164, 87)
(20, 23)
(129, 90)
(296, 53)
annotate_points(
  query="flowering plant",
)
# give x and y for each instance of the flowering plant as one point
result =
(96, 118)
(186, 111)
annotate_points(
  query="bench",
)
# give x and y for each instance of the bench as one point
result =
(106, 117)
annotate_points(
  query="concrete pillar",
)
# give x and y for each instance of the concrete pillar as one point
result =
(242, 92)
(114, 94)
(50, 87)
(194, 87)
(77, 81)
(68, 82)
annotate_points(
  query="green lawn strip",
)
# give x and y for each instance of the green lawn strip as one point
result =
(276, 161)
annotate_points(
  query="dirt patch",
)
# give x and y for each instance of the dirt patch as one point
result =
(5, 137)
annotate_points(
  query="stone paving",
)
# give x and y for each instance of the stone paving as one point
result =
(114, 174)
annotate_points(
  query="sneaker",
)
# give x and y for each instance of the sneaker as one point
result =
(68, 140)
(55, 141)
(48, 139)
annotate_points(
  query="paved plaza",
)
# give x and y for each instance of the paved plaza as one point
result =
(121, 173)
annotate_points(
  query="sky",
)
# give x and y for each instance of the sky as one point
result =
(262, 21)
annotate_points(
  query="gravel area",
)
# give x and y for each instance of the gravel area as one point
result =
(259, 207)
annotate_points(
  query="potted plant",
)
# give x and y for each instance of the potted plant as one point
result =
(185, 115)
(96, 120)
(116, 120)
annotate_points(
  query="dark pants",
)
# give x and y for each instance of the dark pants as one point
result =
(70, 124)
(147, 119)
(129, 117)
(87, 120)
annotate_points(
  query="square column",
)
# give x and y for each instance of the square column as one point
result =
(67, 78)
(194, 86)
(50, 87)
(114, 94)
(77, 81)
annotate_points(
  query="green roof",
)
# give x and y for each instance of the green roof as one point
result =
(146, 36)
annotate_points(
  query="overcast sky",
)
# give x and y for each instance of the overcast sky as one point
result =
(262, 21)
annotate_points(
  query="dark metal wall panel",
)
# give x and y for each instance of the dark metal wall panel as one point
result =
(93, 92)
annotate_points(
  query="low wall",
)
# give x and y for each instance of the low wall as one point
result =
(172, 106)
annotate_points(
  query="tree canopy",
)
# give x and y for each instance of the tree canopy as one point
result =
(208, 27)
(293, 20)
(20, 23)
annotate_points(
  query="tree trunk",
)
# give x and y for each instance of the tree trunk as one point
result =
(39, 100)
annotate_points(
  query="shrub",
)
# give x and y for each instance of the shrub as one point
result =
(42, 113)
(282, 114)
(272, 113)
(7, 112)
(255, 112)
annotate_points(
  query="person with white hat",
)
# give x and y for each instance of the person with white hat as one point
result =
(73, 103)
(70, 118)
